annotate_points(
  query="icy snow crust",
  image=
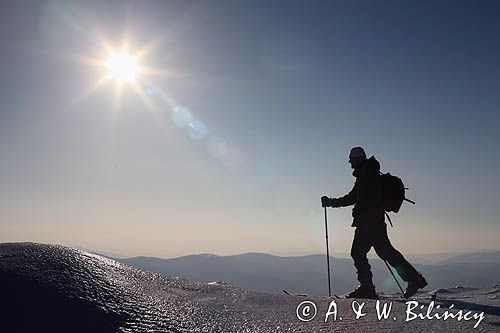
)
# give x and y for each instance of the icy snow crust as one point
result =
(48, 288)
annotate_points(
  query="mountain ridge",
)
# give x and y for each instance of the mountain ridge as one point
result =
(270, 273)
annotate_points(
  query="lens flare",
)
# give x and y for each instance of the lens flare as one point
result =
(196, 130)
(181, 116)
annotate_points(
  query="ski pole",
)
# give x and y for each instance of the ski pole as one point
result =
(327, 255)
(390, 270)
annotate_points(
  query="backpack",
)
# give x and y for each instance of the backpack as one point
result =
(393, 193)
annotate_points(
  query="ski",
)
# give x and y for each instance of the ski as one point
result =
(295, 294)
(379, 296)
(431, 297)
(345, 297)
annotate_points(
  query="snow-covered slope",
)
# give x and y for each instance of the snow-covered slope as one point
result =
(47, 288)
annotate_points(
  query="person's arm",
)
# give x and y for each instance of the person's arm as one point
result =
(347, 200)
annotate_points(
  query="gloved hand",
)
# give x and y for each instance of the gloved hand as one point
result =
(329, 202)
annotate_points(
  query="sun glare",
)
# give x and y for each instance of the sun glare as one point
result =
(125, 69)
(122, 67)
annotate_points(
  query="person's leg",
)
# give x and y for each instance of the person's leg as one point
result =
(387, 252)
(361, 245)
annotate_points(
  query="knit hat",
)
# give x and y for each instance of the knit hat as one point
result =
(357, 152)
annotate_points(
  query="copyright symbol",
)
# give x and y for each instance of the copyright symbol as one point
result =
(306, 311)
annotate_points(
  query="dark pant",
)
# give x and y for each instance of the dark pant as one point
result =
(364, 239)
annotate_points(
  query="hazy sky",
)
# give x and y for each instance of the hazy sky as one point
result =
(278, 92)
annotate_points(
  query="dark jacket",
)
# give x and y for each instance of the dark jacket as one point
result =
(366, 195)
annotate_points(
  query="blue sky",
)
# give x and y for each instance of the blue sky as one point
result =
(283, 88)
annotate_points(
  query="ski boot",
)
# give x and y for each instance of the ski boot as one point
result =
(363, 291)
(415, 284)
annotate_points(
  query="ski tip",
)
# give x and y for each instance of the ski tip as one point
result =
(295, 294)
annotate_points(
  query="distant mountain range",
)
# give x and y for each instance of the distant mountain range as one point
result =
(473, 258)
(269, 273)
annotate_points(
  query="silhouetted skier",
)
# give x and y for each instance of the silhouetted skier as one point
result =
(371, 229)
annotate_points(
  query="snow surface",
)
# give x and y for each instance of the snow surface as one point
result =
(49, 288)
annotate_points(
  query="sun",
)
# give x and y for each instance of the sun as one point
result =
(122, 67)
(117, 64)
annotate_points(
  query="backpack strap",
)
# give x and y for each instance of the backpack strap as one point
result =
(389, 218)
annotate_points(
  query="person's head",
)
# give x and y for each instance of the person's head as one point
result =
(356, 156)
